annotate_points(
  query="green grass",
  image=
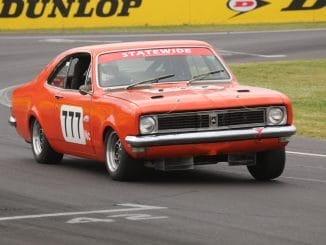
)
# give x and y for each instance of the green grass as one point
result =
(303, 81)
(187, 28)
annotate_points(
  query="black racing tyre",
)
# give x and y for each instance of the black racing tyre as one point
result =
(42, 151)
(118, 163)
(269, 165)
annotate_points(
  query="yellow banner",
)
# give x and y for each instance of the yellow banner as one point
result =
(60, 14)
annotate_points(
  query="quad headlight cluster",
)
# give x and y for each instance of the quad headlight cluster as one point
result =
(148, 124)
(276, 115)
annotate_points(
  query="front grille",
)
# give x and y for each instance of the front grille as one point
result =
(183, 122)
(240, 118)
(211, 120)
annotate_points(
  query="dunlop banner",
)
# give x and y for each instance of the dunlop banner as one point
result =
(59, 14)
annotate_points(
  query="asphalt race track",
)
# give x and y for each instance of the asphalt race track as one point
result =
(76, 202)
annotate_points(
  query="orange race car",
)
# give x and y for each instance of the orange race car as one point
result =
(169, 105)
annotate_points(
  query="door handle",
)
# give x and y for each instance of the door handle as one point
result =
(58, 97)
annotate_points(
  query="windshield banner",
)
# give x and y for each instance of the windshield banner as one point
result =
(153, 52)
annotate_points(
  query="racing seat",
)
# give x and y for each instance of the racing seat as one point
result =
(79, 73)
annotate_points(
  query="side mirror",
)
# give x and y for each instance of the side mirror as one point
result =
(85, 89)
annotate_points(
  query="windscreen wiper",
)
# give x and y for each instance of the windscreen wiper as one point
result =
(204, 75)
(153, 80)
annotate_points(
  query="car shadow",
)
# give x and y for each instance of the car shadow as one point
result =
(85, 165)
(206, 176)
(210, 174)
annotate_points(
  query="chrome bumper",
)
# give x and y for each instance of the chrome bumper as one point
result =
(12, 121)
(210, 136)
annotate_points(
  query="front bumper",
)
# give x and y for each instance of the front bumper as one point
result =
(210, 136)
(12, 121)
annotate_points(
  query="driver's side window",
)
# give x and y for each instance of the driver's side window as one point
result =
(72, 72)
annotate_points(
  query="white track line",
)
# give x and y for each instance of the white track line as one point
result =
(63, 40)
(305, 154)
(304, 179)
(5, 97)
(132, 207)
(252, 54)
(282, 177)
(307, 166)
(182, 34)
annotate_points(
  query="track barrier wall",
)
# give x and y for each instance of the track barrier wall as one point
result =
(61, 14)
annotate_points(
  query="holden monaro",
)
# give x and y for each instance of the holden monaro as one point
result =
(169, 105)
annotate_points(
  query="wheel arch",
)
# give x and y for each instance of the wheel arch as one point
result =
(109, 129)
(30, 120)
(106, 130)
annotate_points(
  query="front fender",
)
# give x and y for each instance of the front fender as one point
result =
(117, 115)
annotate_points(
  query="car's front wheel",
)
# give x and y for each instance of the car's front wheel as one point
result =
(118, 163)
(269, 165)
(42, 151)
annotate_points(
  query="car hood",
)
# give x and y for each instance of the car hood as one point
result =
(197, 97)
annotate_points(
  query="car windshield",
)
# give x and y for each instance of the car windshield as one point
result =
(133, 67)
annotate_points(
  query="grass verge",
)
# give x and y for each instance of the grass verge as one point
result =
(303, 81)
(184, 28)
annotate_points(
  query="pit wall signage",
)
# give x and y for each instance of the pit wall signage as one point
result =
(60, 14)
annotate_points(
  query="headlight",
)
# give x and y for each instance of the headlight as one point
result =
(148, 125)
(276, 115)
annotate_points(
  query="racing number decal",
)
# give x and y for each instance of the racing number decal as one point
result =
(72, 127)
(72, 115)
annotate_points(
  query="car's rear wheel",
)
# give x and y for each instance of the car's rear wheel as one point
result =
(269, 165)
(42, 151)
(118, 163)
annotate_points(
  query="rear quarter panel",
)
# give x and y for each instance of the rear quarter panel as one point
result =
(26, 100)
(21, 106)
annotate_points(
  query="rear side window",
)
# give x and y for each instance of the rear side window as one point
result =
(57, 79)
